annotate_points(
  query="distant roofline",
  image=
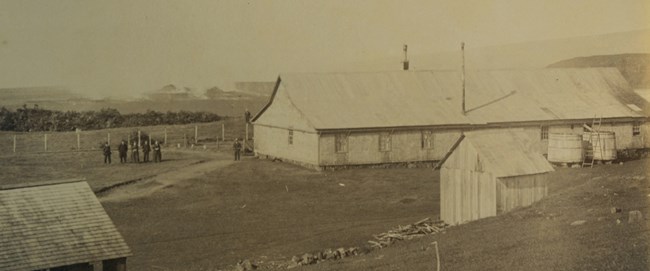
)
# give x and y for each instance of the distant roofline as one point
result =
(37, 184)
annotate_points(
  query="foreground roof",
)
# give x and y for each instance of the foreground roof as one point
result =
(426, 98)
(505, 153)
(55, 225)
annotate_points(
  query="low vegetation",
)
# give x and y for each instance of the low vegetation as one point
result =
(36, 119)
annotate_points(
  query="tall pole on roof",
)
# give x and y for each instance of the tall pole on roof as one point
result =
(406, 59)
(462, 49)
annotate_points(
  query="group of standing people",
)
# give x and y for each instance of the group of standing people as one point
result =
(123, 150)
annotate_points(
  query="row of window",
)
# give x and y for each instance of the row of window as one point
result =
(426, 139)
(385, 142)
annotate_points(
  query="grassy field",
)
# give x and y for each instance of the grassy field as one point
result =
(258, 209)
(268, 211)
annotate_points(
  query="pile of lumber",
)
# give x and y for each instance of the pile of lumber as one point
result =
(418, 229)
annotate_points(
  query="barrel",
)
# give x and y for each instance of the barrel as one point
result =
(564, 148)
(608, 144)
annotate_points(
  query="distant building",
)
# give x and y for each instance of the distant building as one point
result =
(170, 93)
(489, 173)
(344, 119)
(58, 227)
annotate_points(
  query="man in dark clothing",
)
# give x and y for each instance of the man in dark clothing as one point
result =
(157, 155)
(237, 147)
(145, 152)
(123, 149)
(135, 153)
(107, 153)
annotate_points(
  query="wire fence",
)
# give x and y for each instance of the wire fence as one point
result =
(210, 135)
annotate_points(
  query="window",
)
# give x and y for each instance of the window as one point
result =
(544, 133)
(636, 129)
(290, 137)
(341, 143)
(427, 140)
(384, 142)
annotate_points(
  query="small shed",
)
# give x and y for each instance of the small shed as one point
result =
(58, 227)
(489, 173)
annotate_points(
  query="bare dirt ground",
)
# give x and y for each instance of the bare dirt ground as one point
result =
(39, 167)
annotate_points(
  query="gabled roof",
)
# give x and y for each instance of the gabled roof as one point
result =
(505, 153)
(55, 225)
(428, 98)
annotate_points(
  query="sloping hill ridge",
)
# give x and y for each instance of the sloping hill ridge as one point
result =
(634, 67)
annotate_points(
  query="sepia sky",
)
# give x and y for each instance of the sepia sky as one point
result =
(118, 48)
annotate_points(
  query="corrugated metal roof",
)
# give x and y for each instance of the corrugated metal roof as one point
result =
(505, 153)
(426, 98)
(55, 225)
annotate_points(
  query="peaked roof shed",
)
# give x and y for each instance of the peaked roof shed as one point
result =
(56, 225)
(488, 173)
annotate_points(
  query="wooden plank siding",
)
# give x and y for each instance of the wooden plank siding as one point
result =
(520, 191)
(466, 195)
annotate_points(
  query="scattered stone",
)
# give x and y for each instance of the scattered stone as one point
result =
(615, 210)
(578, 222)
(341, 184)
(601, 218)
(295, 259)
(307, 259)
(576, 166)
(245, 265)
(618, 221)
(620, 163)
(329, 254)
(634, 216)
(342, 253)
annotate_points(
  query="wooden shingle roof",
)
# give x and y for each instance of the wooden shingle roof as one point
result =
(55, 225)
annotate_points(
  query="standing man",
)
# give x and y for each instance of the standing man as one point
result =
(237, 147)
(107, 153)
(157, 155)
(145, 151)
(123, 149)
(135, 154)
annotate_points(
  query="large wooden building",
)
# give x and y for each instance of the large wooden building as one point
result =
(489, 173)
(342, 119)
(58, 227)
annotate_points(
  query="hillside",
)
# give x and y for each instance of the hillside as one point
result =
(634, 67)
(530, 54)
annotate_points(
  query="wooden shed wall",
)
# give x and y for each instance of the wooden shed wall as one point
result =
(466, 191)
(363, 147)
(466, 195)
(274, 142)
(520, 191)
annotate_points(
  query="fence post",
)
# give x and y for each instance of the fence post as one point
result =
(165, 141)
(223, 132)
(14, 143)
(139, 143)
(108, 138)
(196, 134)
(128, 140)
(45, 142)
(78, 141)
(185, 140)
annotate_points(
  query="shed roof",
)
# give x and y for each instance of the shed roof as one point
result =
(55, 225)
(428, 98)
(506, 153)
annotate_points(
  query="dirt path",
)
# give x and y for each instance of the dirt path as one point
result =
(147, 187)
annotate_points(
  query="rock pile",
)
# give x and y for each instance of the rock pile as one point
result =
(418, 229)
(328, 254)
